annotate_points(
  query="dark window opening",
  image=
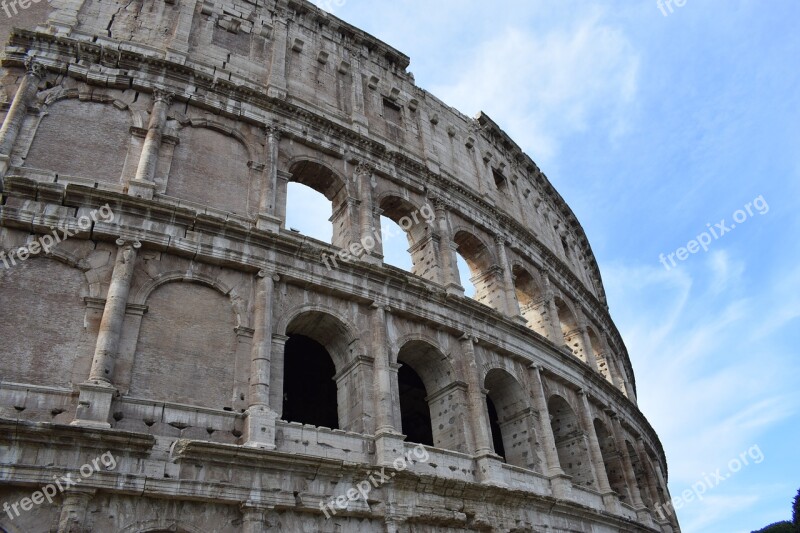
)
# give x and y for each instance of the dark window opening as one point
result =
(499, 180)
(415, 414)
(392, 112)
(309, 392)
(497, 434)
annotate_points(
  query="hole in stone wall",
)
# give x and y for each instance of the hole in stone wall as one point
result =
(414, 411)
(309, 392)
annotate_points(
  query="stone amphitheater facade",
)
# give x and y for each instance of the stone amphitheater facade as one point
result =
(157, 310)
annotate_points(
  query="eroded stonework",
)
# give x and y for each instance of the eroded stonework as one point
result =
(180, 332)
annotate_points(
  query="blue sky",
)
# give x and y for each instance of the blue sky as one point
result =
(652, 127)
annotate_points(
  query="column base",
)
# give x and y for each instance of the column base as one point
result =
(268, 223)
(490, 469)
(561, 485)
(388, 447)
(454, 289)
(94, 405)
(141, 189)
(278, 93)
(611, 502)
(259, 428)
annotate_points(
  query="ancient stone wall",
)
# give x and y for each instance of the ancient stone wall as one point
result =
(244, 376)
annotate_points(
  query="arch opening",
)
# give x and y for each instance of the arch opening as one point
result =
(307, 209)
(612, 461)
(309, 391)
(317, 352)
(401, 218)
(640, 473)
(531, 300)
(414, 410)
(445, 402)
(571, 443)
(484, 276)
(512, 421)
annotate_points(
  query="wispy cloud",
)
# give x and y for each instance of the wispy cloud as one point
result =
(542, 87)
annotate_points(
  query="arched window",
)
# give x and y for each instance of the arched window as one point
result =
(571, 443)
(305, 209)
(513, 418)
(321, 349)
(429, 394)
(308, 212)
(309, 392)
(531, 301)
(480, 265)
(569, 329)
(640, 473)
(414, 410)
(406, 233)
(612, 460)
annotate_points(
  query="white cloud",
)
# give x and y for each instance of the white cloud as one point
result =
(542, 87)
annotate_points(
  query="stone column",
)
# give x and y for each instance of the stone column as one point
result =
(381, 374)
(281, 191)
(447, 250)
(73, 510)
(268, 212)
(255, 518)
(261, 418)
(652, 487)
(276, 85)
(627, 467)
(588, 351)
(596, 454)
(143, 184)
(96, 394)
(559, 480)
(555, 324)
(363, 175)
(488, 464)
(512, 305)
(24, 97)
(277, 354)
(482, 438)
(108, 338)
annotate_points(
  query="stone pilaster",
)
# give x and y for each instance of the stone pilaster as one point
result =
(276, 85)
(96, 395)
(512, 305)
(558, 479)
(256, 518)
(447, 250)
(627, 467)
(277, 354)
(24, 97)
(260, 425)
(381, 374)
(268, 212)
(143, 184)
(596, 454)
(588, 351)
(556, 334)
(73, 511)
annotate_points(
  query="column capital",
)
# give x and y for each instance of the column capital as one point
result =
(273, 132)
(364, 168)
(133, 243)
(266, 273)
(34, 67)
(161, 94)
(468, 337)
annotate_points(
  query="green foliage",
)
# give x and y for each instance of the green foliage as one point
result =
(778, 527)
(796, 511)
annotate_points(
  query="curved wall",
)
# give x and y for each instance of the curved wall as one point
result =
(188, 120)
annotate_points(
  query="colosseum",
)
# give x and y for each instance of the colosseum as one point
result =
(175, 358)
